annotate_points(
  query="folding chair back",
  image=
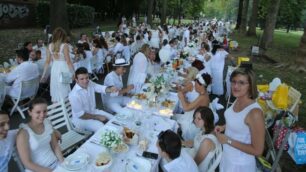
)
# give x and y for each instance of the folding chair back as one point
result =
(29, 88)
(215, 161)
(59, 118)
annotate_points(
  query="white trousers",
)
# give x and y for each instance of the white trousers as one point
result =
(91, 124)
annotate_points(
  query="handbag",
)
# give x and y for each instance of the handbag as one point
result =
(297, 150)
(65, 78)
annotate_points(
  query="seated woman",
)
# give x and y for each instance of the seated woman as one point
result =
(185, 120)
(154, 63)
(202, 147)
(37, 142)
(115, 103)
(7, 141)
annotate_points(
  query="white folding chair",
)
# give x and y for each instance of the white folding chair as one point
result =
(216, 159)
(57, 114)
(2, 93)
(28, 90)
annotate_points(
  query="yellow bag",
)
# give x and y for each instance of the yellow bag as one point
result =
(242, 59)
(280, 97)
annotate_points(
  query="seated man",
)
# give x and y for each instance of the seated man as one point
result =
(40, 46)
(83, 102)
(169, 147)
(23, 72)
(114, 78)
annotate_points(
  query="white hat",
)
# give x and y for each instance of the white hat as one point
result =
(121, 62)
(200, 79)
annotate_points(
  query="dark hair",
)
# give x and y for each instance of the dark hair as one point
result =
(216, 46)
(38, 52)
(198, 64)
(249, 73)
(165, 42)
(23, 54)
(27, 43)
(205, 46)
(172, 41)
(86, 46)
(80, 70)
(103, 43)
(207, 78)
(82, 35)
(97, 42)
(170, 143)
(207, 116)
(37, 101)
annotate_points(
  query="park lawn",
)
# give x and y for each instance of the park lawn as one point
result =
(283, 50)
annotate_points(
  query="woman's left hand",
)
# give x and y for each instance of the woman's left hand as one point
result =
(222, 138)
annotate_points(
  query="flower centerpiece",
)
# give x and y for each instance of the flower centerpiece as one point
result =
(110, 139)
(157, 86)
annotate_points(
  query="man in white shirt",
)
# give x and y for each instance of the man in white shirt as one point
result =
(117, 102)
(174, 160)
(25, 71)
(82, 98)
(40, 46)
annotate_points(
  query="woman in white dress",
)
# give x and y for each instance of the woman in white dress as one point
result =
(155, 41)
(88, 57)
(7, 141)
(62, 69)
(154, 65)
(37, 141)
(217, 67)
(202, 147)
(98, 52)
(185, 120)
(139, 69)
(245, 127)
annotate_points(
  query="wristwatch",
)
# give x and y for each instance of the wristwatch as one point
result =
(229, 141)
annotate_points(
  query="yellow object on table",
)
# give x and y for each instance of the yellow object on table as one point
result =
(263, 88)
(242, 59)
(280, 97)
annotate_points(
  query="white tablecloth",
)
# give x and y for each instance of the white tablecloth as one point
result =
(151, 126)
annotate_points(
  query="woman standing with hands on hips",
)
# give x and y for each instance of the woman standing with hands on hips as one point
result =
(245, 128)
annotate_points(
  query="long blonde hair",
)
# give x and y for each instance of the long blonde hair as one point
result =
(59, 36)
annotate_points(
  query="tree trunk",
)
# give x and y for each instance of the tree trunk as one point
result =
(244, 17)
(302, 48)
(253, 20)
(288, 28)
(164, 13)
(150, 10)
(239, 14)
(271, 17)
(58, 15)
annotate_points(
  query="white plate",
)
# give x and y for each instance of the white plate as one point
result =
(136, 164)
(76, 161)
(101, 168)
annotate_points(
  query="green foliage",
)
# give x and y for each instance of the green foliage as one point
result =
(78, 15)
(226, 9)
(290, 12)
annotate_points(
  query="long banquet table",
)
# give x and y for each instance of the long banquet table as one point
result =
(151, 125)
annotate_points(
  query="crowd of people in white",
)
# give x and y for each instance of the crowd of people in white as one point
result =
(148, 50)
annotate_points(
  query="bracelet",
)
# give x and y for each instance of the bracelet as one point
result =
(229, 141)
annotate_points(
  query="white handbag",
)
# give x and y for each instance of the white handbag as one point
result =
(65, 78)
